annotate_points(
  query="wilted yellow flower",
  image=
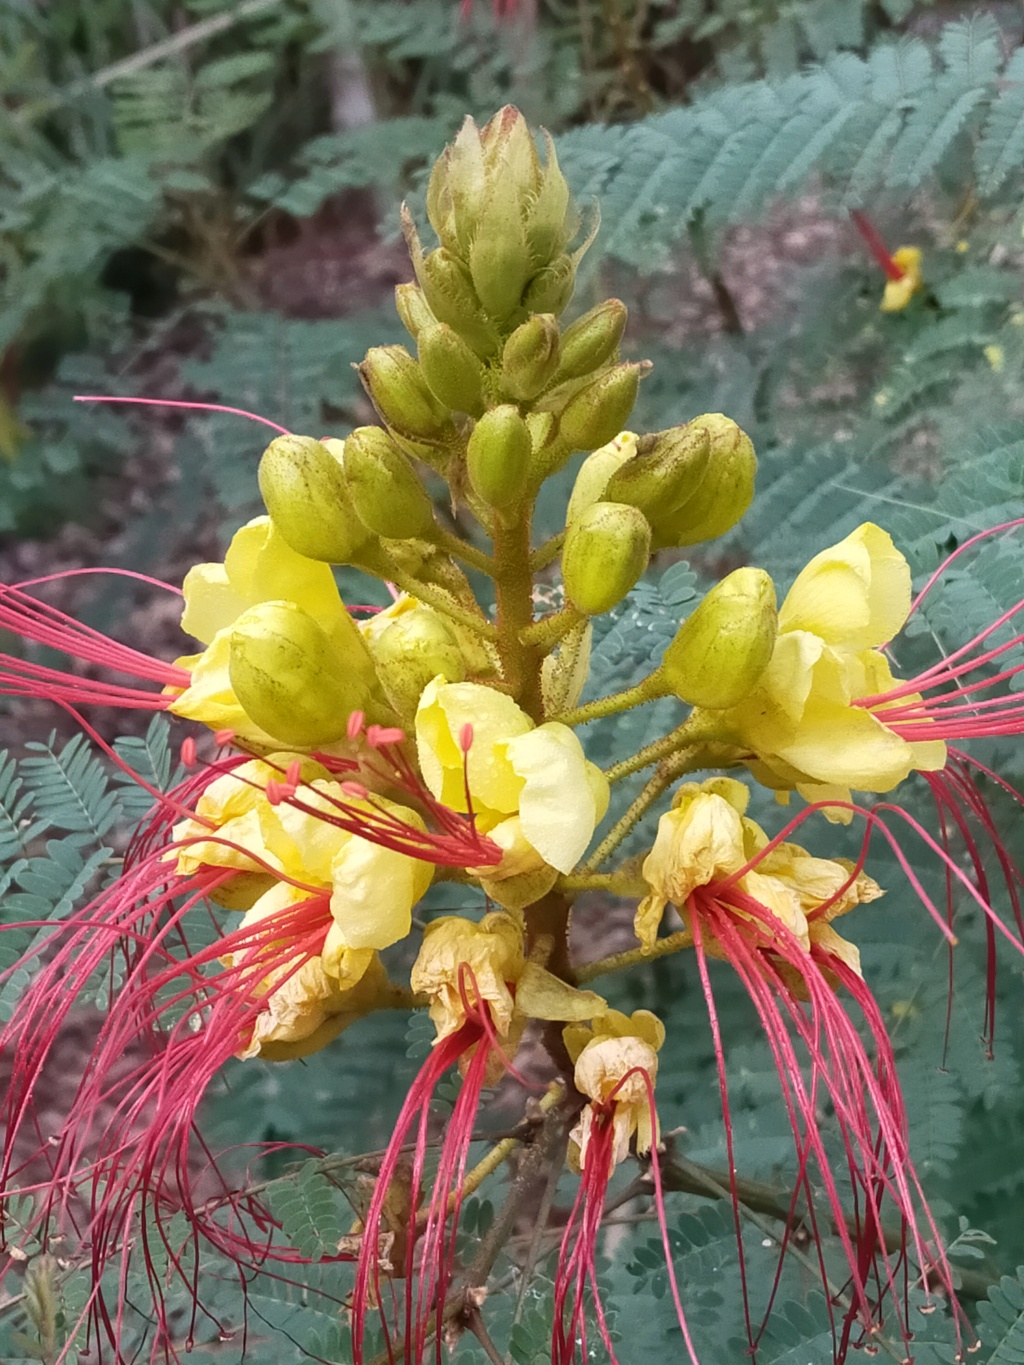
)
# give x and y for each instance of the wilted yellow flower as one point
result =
(537, 776)
(605, 1053)
(800, 723)
(706, 838)
(463, 962)
(898, 293)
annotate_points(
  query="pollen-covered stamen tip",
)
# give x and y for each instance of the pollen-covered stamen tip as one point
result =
(355, 724)
(383, 736)
(189, 756)
(224, 738)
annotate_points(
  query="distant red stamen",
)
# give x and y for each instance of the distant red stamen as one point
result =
(876, 245)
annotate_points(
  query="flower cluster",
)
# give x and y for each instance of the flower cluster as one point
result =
(349, 762)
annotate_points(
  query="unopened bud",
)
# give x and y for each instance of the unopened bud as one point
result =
(413, 309)
(453, 372)
(291, 678)
(448, 289)
(605, 552)
(530, 357)
(598, 411)
(499, 257)
(417, 646)
(551, 217)
(592, 340)
(386, 494)
(551, 289)
(724, 493)
(498, 456)
(400, 393)
(722, 649)
(666, 470)
(304, 487)
(595, 472)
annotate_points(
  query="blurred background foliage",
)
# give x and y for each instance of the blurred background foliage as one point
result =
(198, 200)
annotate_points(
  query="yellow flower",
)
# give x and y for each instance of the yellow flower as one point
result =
(259, 570)
(898, 293)
(464, 963)
(605, 1054)
(534, 776)
(706, 838)
(800, 722)
(369, 889)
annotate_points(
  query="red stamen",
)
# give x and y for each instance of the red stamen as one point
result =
(179, 403)
(189, 756)
(355, 724)
(466, 737)
(876, 245)
(380, 736)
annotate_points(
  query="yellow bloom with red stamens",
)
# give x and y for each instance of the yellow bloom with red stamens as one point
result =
(370, 889)
(463, 965)
(531, 787)
(707, 838)
(800, 723)
(611, 1056)
(898, 293)
(245, 611)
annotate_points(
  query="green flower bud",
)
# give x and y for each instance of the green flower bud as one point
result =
(451, 369)
(598, 411)
(551, 216)
(400, 393)
(411, 306)
(605, 552)
(666, 470)
(722, 496)
(551, 288)
(416, 647)
(306, 493)
(498, 457)
(499, 257)
(386, 494)
(530, 357)
(592, 340)
(293, 679)
(720, 652)
(595, 472)
(449, 292)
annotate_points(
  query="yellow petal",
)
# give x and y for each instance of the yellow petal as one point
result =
(374, 891)
(846, 746)
(444, 710)
(695, 844)
(540, 995)
(855, 594)
(557, 804)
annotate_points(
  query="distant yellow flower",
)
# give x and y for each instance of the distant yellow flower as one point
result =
(800, 723)
(898, 293)
(532, 788)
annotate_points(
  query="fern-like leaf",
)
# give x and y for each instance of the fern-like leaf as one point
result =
(1002, 1320)
(70, 788)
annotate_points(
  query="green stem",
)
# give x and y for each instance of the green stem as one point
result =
(513, 584)
(547, 553)
(650, 689)
(695, 730)
(461, 549)
(615, 883)
(550, 629)
(637, 810)
(635, 957)
(437, 598)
